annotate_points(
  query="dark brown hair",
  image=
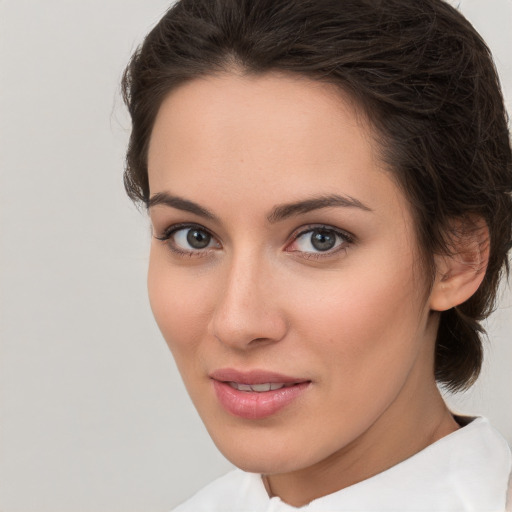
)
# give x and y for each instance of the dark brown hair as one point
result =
(424, 78)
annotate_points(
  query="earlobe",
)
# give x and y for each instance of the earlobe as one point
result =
(460, 273)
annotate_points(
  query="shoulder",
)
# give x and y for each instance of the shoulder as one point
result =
(467, 470)
(472, 465)
(228, 493)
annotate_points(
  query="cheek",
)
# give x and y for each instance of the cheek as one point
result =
(364, 322)
(179, 304)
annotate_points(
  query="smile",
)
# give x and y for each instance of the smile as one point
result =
(257, 394)
(259, 388)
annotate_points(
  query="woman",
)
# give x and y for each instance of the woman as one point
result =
(329, 185)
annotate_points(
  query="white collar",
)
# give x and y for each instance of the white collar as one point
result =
(467, 470)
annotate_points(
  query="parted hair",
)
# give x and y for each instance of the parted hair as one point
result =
(423, 77)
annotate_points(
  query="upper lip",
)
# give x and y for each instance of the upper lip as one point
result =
(253, 377)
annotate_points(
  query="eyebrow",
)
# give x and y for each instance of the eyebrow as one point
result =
(279, 212)
(163, 198)
(284, 211)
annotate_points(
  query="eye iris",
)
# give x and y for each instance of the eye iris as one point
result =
(198, 239)
(323, 240)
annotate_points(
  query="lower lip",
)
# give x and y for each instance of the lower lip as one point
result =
(254, 406)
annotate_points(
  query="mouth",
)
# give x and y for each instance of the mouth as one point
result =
(257, 394)
(259, 388)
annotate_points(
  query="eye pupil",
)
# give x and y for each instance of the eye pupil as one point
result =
(198, 239)
(323, 240)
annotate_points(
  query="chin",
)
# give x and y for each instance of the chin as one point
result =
(269, 464)
(272, 456)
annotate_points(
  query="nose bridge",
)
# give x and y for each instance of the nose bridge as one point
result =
(247, 309)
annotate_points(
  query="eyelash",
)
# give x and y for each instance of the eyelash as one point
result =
(171, 230)
(347, 240)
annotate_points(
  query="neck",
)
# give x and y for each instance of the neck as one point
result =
(418, 418)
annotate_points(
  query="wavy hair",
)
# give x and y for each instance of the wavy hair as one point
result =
(419, 71)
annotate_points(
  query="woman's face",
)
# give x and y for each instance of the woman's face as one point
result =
(284, 272)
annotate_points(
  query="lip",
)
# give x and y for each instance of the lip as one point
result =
(253, 376)
(254, 405)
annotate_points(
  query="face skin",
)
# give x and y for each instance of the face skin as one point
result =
(346, 314)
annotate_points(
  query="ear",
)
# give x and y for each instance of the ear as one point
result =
(460, 273)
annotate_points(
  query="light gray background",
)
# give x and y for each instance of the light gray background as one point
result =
(93, 416)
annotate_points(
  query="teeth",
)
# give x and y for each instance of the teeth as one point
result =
(258, 388)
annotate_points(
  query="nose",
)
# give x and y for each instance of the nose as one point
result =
(248, 311)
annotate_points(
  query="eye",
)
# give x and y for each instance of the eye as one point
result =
(193, 237)
(321, 239)
(189, 239)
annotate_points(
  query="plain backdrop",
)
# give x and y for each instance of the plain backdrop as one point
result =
(93, 415)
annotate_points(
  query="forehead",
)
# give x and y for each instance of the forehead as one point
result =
(265, 139)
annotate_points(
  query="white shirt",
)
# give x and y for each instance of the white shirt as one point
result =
(465, 471)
